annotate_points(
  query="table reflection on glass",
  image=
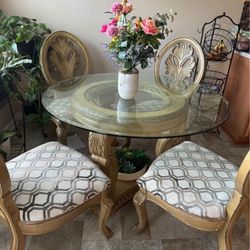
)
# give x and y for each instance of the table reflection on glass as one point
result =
(92, 103)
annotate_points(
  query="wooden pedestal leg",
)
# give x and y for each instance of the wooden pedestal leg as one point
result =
(139, 202)
(164, 144)
(61, 130)
(101, 149)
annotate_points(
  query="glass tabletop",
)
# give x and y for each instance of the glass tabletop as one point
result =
(93, 103)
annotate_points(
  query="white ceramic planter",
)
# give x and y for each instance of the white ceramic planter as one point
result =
(128, 84)
(132, 176)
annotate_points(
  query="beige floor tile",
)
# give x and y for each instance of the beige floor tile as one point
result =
(66, 238)
(164, 226)
(122, 245)
(91, 230)
(129, 219)
(184, 244)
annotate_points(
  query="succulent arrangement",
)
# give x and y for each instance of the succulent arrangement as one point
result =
(131, 160)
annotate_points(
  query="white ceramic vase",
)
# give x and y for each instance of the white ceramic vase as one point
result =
(132, 176)
(128, 84)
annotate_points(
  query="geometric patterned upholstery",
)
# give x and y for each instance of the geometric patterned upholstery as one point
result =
(52, 179)
(192, 178)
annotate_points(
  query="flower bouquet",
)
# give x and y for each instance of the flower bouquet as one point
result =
(134, 41)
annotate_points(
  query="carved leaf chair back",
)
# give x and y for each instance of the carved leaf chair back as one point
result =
(63, 56)
(47, 186)
(179, 66)
(199, 188)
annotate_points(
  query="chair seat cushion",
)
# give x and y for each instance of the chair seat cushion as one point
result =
(52, 179)
(192, 178)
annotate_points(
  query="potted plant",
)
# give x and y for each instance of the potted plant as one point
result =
(26, 36)
(132, 163)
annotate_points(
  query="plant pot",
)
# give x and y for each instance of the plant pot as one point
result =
(128, 84)
(30, 108)
(132, 176)
(27, 49)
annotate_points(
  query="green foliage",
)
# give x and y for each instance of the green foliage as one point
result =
(11, 64)
(18, 29)
(13, 30)
(131, 160)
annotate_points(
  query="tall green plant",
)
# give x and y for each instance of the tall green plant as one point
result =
(15, 30)
(11, 64)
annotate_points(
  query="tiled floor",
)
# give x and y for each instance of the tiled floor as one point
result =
(162, 232)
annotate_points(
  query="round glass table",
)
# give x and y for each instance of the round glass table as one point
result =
(92, 103)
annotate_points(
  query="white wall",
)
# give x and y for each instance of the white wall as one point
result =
(84, 18)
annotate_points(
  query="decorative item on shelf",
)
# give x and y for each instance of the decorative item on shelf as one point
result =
(243, 42)
(213, 82)
(132, 163)
(134, 41)
(218, 44)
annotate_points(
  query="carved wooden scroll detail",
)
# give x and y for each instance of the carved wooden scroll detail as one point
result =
(63, 57)
(179, 66)
(102, 152)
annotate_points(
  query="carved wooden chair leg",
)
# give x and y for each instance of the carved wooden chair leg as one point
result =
(61, 130)
(18, 241)
(139, 202)
(106, 206)
(247, 218)
(224, 235)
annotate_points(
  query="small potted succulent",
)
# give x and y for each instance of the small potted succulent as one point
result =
(132, 163)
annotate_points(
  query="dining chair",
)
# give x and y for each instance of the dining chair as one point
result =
(198, 187)
(48, 186)
(178, 71)
(179, 66)
(63, 56)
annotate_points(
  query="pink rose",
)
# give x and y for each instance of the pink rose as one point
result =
(127, 8)
(113, 22)
(112, 30)
(148, 26)
(104, 28)
(116, 8)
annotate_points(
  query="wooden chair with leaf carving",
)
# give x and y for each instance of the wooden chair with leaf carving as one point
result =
(198, 187)
(178, 70)
(48, 186)
(63, 56)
